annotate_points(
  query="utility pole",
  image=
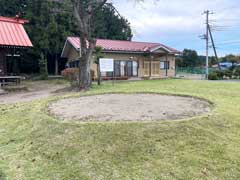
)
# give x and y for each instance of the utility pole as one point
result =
(206, 37)
(207, 41)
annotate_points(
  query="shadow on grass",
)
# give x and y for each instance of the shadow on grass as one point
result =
(2, 176)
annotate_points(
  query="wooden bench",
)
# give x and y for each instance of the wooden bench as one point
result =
(10, 80)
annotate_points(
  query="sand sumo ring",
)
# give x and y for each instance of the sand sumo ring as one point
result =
(129, 107)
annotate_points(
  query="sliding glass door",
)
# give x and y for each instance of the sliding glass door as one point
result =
(122, 68)
(125, 68)
(135, 68)
(129, 69)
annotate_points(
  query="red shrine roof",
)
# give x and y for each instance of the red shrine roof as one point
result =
(124, 46)
(12, 33)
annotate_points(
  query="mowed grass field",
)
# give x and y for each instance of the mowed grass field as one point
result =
(34, 145)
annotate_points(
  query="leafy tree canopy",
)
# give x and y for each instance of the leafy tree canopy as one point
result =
(230, 58)
(190, 58)
(51, 21)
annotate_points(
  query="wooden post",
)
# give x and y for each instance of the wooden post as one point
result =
(167, 65)
(2, 63)
(150, 66)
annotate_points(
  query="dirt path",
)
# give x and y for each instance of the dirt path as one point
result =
(37, 90)
(129, 107)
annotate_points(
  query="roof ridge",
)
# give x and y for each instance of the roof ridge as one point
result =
(118, 45)
(13, 20)
(130, 41)
(155, 43)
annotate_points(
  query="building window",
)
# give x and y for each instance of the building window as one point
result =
(124, 68)
(74, 64)
(164, 65)
(109, 74)
(117, 68)
(129, 68)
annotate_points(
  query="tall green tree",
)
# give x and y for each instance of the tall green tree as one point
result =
(189, 58)
(85, 11)
(107, 24)
(43, 67)
(50, 22)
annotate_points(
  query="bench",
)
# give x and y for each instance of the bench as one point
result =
(10, 80)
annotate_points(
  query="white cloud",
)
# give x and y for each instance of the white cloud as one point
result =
(164, 20)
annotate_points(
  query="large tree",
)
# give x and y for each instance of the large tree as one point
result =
(190, 58)
(51, 21)
(84, 10)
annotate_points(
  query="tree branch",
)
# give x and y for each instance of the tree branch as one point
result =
(111, 5)
(98, 4)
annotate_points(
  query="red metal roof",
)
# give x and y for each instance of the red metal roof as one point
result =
(126, 46)
(12, 33)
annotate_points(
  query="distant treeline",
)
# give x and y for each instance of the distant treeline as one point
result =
(190, 58)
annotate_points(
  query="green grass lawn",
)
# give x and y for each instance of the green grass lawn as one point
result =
(34, 145)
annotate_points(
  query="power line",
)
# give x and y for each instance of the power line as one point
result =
(225, 20)
(228, 8)
(227, 49)
(225, 30)
(230, 27)
(229, 43)
(231, 40)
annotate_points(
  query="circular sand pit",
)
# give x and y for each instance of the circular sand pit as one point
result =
(129, 107)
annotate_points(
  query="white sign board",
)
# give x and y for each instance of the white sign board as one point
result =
(106, 65)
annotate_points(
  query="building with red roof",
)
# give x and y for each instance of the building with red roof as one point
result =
(131, 59)
(12, 36)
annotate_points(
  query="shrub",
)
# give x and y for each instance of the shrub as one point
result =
(71, 74)
(213, 76)
(228, 73)
(237, 72)
(93, 75)
(220, 74)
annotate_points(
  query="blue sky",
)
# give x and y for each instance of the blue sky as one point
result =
(179, 23)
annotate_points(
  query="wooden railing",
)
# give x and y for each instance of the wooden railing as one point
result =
(10, 80)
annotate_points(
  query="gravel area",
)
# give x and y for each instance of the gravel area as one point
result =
(37, 91)
(129, 107)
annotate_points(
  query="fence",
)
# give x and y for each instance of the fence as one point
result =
(192, 72)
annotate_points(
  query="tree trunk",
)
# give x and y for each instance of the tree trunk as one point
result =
(85, 64)
(83, 14)
(56, 64)
(84, 75)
